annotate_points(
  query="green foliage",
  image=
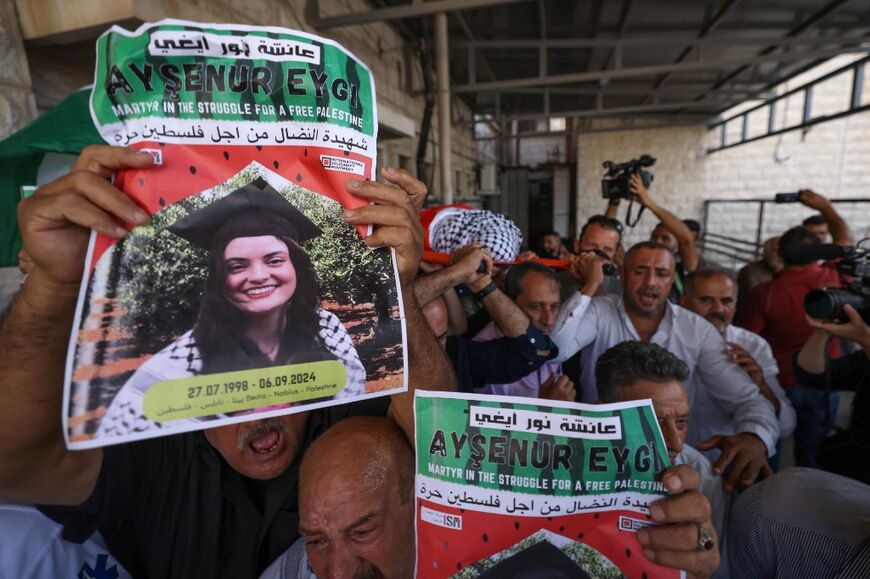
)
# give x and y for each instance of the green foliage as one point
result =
(592, 561)
(339, 254)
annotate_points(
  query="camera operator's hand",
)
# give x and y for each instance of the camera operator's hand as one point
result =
(588, 268)
(855, 330)
(467, 260)
(636, 186)
(558, 388)
(812, 199)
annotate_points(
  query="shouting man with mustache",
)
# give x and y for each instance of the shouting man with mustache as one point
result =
(712, 294)
(644, 313)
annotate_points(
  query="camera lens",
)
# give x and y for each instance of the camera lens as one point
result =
(828, 304)
(820, 304)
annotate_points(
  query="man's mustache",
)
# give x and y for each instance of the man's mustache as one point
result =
(716, 316)
(259, 430)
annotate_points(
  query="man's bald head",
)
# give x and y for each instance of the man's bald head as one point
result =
(356, 508)
(364, 448)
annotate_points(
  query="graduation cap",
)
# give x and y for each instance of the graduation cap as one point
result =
(250, 211)
(541, 561)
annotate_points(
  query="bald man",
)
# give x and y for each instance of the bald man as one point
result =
(356, 505)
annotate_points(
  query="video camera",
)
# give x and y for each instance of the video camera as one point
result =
(827, 304)
(615, 183)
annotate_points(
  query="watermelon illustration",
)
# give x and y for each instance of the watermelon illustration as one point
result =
(188, 169)
(443, 551)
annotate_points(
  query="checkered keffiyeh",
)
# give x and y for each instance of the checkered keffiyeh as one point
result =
(181, 359)
(492, 231)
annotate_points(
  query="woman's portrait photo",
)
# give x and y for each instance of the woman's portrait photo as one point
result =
(243, 276)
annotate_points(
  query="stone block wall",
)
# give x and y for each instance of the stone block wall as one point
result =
(830, 158)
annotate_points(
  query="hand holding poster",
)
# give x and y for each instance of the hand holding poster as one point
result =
(247, 291)
(505, 484)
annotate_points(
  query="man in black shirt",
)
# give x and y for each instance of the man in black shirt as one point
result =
(217, 503)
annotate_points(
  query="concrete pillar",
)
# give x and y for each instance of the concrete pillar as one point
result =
(442, 71)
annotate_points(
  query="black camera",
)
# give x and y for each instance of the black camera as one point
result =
(608, 268)
(615, 183)
(827, 304)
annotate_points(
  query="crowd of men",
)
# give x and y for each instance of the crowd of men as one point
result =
(335, 499)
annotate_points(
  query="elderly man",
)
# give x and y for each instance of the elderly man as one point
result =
(361, 525)
(638, 370)
(215, 503)
(535, 289)
(356, 505)
(712, 294)
(644, 313)
(517, 346)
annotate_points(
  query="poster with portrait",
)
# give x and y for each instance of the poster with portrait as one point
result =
(246, 293)
(511, 487)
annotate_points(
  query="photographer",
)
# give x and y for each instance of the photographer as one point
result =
(600, 238)
(834, 228)
(774, 310)
(847, 453)
(670, 232)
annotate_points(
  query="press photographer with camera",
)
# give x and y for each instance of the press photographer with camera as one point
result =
(774, 310)
(600, 238)
(846, 453)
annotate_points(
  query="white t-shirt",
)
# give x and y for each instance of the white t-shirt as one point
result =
(32, 547)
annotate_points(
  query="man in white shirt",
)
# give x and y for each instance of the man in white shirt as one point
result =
(33, 547)
(712, 293)
(644, 313)
(638, 370)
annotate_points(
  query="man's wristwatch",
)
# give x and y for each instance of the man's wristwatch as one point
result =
(490, 287)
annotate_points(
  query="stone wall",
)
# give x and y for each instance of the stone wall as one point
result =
(830, 158)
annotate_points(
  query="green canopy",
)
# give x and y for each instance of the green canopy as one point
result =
(65, 129)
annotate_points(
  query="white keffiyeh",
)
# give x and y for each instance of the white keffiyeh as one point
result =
(494, 232)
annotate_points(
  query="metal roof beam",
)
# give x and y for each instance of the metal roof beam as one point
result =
(614, 58)
(632, 90)
(797, 31)
(649, 40)
(708, 27)
(411, 10)
(712, 64)
(630, 125)
(612, 111)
